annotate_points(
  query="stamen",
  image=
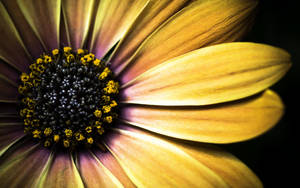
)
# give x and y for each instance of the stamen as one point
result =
(68, 98)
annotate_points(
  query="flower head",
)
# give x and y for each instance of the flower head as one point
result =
(104, 93)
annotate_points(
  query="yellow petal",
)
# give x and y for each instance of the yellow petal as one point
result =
(224, 123)
(23, 165)
(201, 23)
(152, 161)
(31, 42)
(110, 162)
(210, 75)
(44, 19)
(94, 173)
(152, 16)
(61, 172)
(77, 15)
(12, 49)
(113, 18)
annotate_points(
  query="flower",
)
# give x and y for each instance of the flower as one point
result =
(185, 84)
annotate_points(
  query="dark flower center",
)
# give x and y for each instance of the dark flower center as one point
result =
(68, 98)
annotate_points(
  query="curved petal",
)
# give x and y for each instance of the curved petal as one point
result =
(110, 162)
(77, 15)
(29, 38)
(147, 157)
(22, 167)
(9, 108)
(61, 172)
(12, 49)
(8, 88)
(153, 15)
(10, 132)
(9, 72)
(225, 123)
(113, 18)
(94, 173)
(211, 75)
(44, 19)
(201, 23)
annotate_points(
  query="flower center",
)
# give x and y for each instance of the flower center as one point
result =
(68, 98)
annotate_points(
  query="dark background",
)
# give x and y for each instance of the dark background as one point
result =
(272, 156)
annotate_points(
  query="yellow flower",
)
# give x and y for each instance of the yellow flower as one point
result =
(165, 78)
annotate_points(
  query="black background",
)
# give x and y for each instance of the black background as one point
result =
(272, 156)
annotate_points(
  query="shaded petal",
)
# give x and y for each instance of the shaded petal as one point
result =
(12, 51)
(110, 162)
(201, 23)
(23, 166)
(8, 88)
(215, 74)
(113, 18)
(94, 173)
(9, 72)
(10, 132)
(153, 15)
(44, 19)
(77, 15)
(150, 161)
(224, 123)
(10, 108)
(61, 172)
(29, 38)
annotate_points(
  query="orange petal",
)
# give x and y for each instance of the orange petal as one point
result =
(152, 16)
(29, 38)
(152, 161)
(44, 19)
(61, 172)
(77, 15)
(215, 74)
(94, 173)
(12, 49)
(113, 19)
(201, 23)
(23, 166)
(224, 123)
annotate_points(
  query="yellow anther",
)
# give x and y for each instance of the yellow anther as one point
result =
(22, 89)
(66, 143)
(55, 52)
(40, 68)
(48, 59)
(36, 82)
(56, 138)
(39, 61)
(26, 130)
(83, 61)
(28, 85)
(27, 122)
(106, 108)
(47, 131)
(96, 62)
(98, 113)
(113, 103)
(106, 98)
(33, 66)
(111, 87)
(24, 77)
(35, 123)
(47, 143)
(92, 56)
(98, 124)
(80, 51)
(90, 140)
(79, 137)
(70, 58)
(31, 75)
(100, 131)
(108, 119)
(68, 133)
(88, 129)
(36, 134)
(67, 49)
(104, 74)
